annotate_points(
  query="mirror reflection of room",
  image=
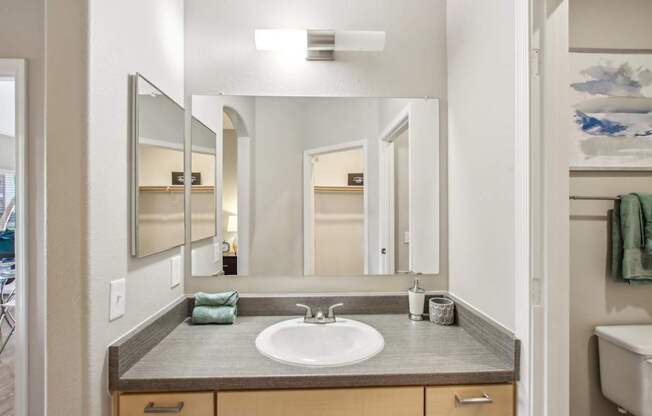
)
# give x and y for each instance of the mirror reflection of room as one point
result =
(401, 214)
(311, 186)
(10, 267)
(203, 182)
(158, 155)
(338, 213)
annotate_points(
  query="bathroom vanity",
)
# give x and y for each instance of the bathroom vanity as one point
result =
(332, 187)
(172, 366)
(494, 400)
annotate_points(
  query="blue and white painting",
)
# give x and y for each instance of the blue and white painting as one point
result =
(611, 96)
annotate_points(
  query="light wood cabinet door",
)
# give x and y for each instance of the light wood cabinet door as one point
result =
(482, 400)
(394, 401)
(181, 404)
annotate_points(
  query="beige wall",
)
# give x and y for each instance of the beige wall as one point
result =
(332, 169)
(596, 299)
(66, 106)
(22, 22)
(611, 24)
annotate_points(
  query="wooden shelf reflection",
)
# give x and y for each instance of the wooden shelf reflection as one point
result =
(339, 189)
(177, 188)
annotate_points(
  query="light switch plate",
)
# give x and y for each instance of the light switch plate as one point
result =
(117, 299)
(175, 271)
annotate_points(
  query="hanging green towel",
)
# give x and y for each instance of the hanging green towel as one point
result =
(630, 261)
(214, 314)
(229, 298)
(616, 244)
(646, 211)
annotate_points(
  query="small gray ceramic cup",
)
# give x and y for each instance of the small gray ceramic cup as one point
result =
(442, 311)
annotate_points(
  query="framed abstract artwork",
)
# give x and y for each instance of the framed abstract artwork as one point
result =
(611, 111)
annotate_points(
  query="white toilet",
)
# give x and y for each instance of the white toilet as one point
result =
(626, 366)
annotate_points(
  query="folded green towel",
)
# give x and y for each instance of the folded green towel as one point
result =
(229, 298)
(214, 314)
(646, 211)
(630, 261)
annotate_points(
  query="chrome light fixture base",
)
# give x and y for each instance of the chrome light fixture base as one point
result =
(321, 45)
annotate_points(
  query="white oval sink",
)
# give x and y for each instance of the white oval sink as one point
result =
(344, 342)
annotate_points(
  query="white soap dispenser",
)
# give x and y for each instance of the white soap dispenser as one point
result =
(417, 298)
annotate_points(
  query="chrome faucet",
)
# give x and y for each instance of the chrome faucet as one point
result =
(319, 317)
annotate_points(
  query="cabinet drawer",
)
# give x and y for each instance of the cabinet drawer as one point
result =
(183, 404)
(482, 400)
(395, 401)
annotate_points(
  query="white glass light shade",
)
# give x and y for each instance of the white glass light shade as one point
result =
(359, 40)
(281, 40)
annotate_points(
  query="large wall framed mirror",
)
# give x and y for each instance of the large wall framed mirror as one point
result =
(157, 131)
(316, 186)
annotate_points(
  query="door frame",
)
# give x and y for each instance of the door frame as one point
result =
(309, 201)
(386, 192)
(17, 69)
(549, 366)
(542, 211)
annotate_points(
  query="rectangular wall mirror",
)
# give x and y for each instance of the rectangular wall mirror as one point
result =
(157, 131)
(315, 186)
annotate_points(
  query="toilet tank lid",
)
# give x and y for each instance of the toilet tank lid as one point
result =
(635, 338)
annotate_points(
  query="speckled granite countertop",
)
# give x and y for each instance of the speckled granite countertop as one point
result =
(216, 357)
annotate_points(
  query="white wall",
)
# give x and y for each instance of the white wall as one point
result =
(481, 78)
(7, 153)
(277, 181)
(124, 37)
(7, 107)
(401, 201)
(221, 55)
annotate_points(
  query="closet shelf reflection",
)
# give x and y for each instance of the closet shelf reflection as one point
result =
(176, 188)
(339, 189)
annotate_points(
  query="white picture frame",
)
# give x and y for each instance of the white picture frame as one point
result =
(610, 110)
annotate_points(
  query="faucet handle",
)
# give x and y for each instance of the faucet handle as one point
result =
(331, 312)
(307, 308)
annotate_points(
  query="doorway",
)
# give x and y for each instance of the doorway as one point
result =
(13, 285)
(335, 210)
(396, 201)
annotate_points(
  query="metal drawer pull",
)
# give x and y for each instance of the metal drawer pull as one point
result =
(150, 408)
(484, 399)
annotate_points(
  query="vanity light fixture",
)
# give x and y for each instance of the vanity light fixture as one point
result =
(319, 44)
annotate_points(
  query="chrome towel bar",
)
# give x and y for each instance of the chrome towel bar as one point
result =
(594, 198)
